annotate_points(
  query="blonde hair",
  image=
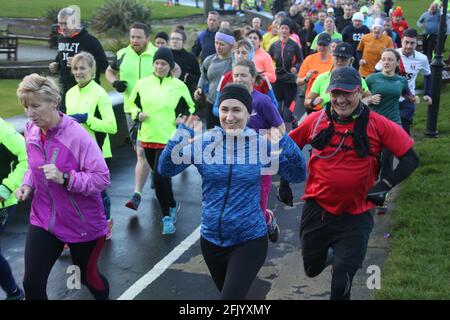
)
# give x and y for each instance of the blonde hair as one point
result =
(87, 57)
(35, 86)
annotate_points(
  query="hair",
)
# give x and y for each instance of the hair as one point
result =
(34, 85)
(226, 31)
(87, 57)
(244, 43)
(311, 26)
(251, 31)
(142, 26)
(180, 31)
(410, 33)
(214, 13)
(249, 64)
(71, 11)
(162, 35)
(179, 27)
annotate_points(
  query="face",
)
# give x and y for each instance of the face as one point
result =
(161, 68)
(241, 53)
(212, 21)
(284, 32)
(161, 43)
(322, 48)
(314, 17)
(254, 39)
(347, 11)
(41, 112)
(389, 62)
(357, 24)
(176, 41)
(256, 23)
(322, 17)
(241, 74)
(233, 116)
(307, 24)
(67, 25)
(340, 62)
(329, 24)
(138, 40)
(377, 31)
(222, 48)
(409, 45)
(344, 103)
(275, 29)
(386, 25)
(433, 8)
(293, 11)
(82, 72)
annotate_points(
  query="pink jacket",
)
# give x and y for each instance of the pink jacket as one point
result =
(73, 214)
(264, 65)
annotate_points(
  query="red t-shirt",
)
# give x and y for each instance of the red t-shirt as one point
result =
(341, 183)
(400, 27)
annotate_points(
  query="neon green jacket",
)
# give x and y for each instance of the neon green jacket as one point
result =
(93, 100)
(159, 99)
(13, 160)
(133, 67)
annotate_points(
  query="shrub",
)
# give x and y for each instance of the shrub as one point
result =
(117, 15)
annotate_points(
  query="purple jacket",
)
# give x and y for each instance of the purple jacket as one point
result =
(73, 214)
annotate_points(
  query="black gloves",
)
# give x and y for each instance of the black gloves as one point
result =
(377, 194)
(285, 193)
(120, 86)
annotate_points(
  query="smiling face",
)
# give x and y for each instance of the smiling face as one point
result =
(82, 72)
(344, 103)
(233, 116)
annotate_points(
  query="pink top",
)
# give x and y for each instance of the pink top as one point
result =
(264, 65)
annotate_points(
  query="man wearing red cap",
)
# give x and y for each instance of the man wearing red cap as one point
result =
(399, 23)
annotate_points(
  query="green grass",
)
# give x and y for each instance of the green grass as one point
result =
(418, 263)
(34, 8)
(9, 105)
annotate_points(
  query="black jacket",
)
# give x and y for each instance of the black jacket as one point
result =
(188, 65)
(286, 58)
(70, 46)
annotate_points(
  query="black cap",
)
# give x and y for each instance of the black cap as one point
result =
(239, 92)
(344, 50)
(345, 79)
(164, 54)
(324, 39)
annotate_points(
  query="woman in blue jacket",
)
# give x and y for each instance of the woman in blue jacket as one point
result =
(231, 159)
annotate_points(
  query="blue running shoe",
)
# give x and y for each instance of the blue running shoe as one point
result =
(174, 211)
(168, 226)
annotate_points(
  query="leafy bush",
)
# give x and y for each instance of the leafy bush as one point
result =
(117, 15)
(51, 14)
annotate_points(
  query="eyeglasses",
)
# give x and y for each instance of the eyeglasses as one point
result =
(176, 39)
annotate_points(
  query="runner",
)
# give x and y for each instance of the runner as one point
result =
(66, 176)
(233, 231)
(155, 100)
(89, 104)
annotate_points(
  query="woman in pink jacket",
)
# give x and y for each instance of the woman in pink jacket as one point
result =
(66, 176)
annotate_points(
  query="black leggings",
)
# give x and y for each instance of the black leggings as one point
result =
(163, 185)
(285, 94)
(347, 235)
(42, 249)
(234, 268)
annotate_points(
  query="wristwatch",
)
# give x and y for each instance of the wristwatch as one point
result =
(66, 179)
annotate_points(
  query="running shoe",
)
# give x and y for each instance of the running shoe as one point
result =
(110, 227)
(134, 202)
(174, 212)
(168, 226)
(17, 295)
(273, 230)
(381, 209)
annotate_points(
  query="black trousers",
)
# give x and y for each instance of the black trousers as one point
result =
(285, 94)
(234, 268)
(429, 44)
(346, 234)
(163, 185)
(41, 251)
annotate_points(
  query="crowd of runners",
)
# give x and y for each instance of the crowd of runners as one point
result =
(229, 106)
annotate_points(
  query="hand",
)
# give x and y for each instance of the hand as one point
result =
(142, 116)
(294, 70)
(69, 62)
(375, 99)
(23, 193)
(428, 100)
(416, 99)
(362, 62)
(120, 86)
(317, 101)
(186, 75)
(198, 93)
(285, 193)
(52, 173)
(310, 73)
(80, 117)
(378, 193)
(176, 71)
(53, 67)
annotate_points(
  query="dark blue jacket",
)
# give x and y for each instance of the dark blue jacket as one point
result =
(205, 44)
(231, 213)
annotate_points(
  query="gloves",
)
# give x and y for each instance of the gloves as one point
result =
(377, 194)
(285, 193)
(80, 117)
(120, 86)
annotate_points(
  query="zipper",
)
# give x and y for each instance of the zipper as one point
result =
(230, 174)
(77, 209)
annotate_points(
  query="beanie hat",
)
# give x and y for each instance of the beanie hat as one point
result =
(166, 55)
(239, 92)
(398, 12)
(162, 35)
(286, 22)
(358, 16)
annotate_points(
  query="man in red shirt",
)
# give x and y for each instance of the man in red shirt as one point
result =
(346, 139)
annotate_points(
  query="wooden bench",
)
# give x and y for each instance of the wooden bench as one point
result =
(32, 29)
(8, 46)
